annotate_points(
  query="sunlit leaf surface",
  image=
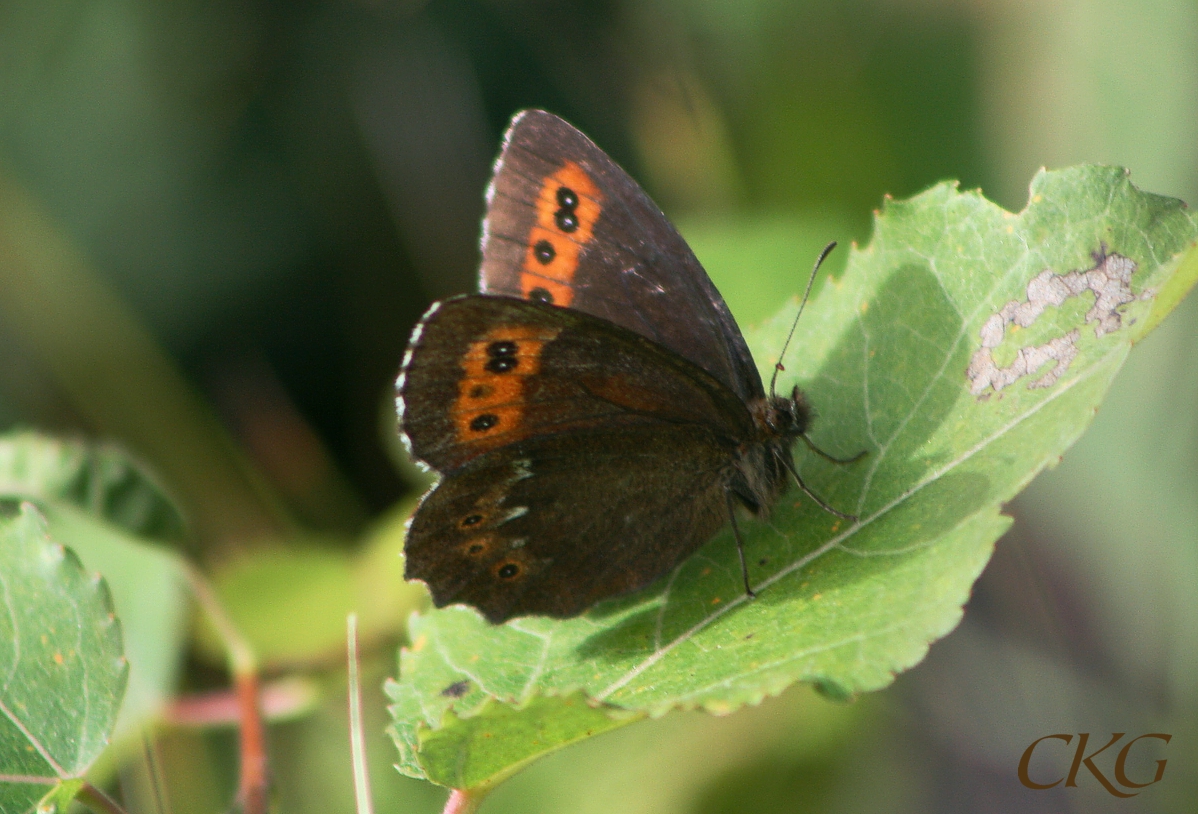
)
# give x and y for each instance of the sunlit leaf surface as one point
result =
(965, 348)
(62, 672)
(111, 512)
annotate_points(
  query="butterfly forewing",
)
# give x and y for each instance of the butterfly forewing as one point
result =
(566, 225)
(486, 373)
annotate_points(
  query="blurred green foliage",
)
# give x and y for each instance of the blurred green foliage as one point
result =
(219, 220)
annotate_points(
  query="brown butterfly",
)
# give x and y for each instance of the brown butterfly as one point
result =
(594, 412)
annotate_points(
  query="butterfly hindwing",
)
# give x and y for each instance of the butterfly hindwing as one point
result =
(566, 225)
(552, 524)
(486, 373)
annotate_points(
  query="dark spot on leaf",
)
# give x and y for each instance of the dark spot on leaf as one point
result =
(457, 689)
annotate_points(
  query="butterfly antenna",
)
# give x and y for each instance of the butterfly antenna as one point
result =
(810, 281)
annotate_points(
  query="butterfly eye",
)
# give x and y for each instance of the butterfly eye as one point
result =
(509, 570)
(567, 198)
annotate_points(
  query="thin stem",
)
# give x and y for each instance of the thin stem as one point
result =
(253, 785)
(462, 801)
(97, 800)
(357, 740)
(241, 655)
(281, 699)
(161, 803)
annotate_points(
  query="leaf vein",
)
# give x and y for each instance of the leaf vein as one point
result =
(658, 655)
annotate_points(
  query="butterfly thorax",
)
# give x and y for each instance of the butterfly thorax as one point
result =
(763, 463)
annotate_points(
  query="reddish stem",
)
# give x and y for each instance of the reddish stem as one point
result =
(253, 788)
(462, 802)
(283, 698)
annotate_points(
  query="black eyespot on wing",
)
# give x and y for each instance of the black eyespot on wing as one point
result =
(502, 347)
(509, 570)
(566, 220)
(502, 364)
(544, 252)
(567, 198)
(539, 294)
(472, 520)
(484, 422)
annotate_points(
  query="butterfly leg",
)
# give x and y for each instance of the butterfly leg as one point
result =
(794, 473)
(740, 544)
(811, 446)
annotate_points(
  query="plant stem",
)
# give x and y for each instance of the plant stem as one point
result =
(357, 740)
(97, 800)
(253, 785)
(462, 801)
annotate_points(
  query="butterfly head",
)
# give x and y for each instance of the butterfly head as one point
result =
(787, 417)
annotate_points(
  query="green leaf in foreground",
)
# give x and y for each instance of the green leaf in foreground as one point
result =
(62, 672)
(965, 348)
(108, 509)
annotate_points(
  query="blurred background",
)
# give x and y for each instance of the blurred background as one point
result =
(219, 221)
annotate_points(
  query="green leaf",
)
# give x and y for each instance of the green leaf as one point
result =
(100, 479)
(965, 348)
(151, 597)
(60, 796)
(498, 739)
(62, 672)
(102, 504)
(291, 602)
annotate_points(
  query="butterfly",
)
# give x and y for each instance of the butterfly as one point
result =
(594, 412)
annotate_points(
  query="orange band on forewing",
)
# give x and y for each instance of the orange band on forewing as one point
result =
(489, 409)
(556, 275)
